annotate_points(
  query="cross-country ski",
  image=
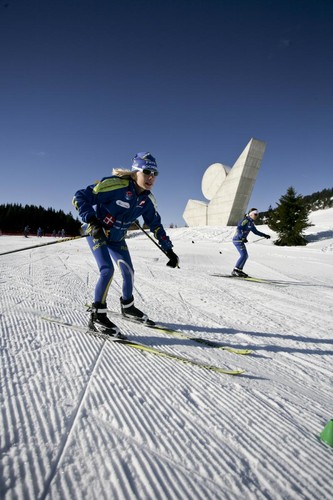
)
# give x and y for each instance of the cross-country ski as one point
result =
(143, 347)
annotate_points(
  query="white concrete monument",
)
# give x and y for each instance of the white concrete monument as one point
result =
(228, 189)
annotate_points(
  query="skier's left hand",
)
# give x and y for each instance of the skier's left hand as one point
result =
(267, 236)
(174, 259)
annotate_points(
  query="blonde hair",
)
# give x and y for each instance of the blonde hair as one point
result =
(124, 174)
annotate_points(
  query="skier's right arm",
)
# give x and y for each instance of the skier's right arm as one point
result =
(84, 201)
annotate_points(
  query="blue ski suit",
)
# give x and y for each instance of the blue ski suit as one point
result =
(115, 202)
(239, 239)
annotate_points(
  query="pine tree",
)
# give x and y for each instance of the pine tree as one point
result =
(289, 219)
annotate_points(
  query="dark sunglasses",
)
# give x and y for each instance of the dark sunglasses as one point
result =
(146, 171)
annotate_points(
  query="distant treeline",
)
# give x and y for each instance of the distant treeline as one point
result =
(320, 200)
(315, 201)
(15, 217)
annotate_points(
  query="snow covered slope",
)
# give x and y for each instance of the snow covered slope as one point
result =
(84, 418)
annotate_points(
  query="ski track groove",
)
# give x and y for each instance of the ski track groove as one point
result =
(123, 414)
(71, 426)
(138, 428)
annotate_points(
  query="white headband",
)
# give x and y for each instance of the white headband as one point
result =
(254, 212)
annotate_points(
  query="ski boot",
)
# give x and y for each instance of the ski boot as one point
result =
(239, 273)
(99, 321)
(131, 312)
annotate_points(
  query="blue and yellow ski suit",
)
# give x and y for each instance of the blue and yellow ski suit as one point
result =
(244, 227)
(115, 199)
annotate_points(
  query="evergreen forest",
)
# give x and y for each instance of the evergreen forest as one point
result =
(14, 218)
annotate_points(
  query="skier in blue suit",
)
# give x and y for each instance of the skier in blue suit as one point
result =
(108, 209)
(244, 226)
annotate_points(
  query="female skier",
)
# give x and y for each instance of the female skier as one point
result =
(108, 209)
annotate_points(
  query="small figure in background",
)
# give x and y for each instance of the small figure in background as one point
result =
(244, 226)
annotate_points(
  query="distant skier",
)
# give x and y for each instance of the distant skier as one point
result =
(119, 200)
(244, 226)
(26, 231)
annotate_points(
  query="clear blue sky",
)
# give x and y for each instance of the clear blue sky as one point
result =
(86, 84)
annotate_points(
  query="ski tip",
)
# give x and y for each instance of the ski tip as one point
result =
(242, 352)
(233, 372)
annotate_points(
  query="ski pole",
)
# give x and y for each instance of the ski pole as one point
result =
(249, 242)
(158, 246)
(44, 244)
(255, 241)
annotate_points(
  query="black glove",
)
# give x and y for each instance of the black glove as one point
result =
(174, 260)
(244, 240)
(95, 228)
(267, 236)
